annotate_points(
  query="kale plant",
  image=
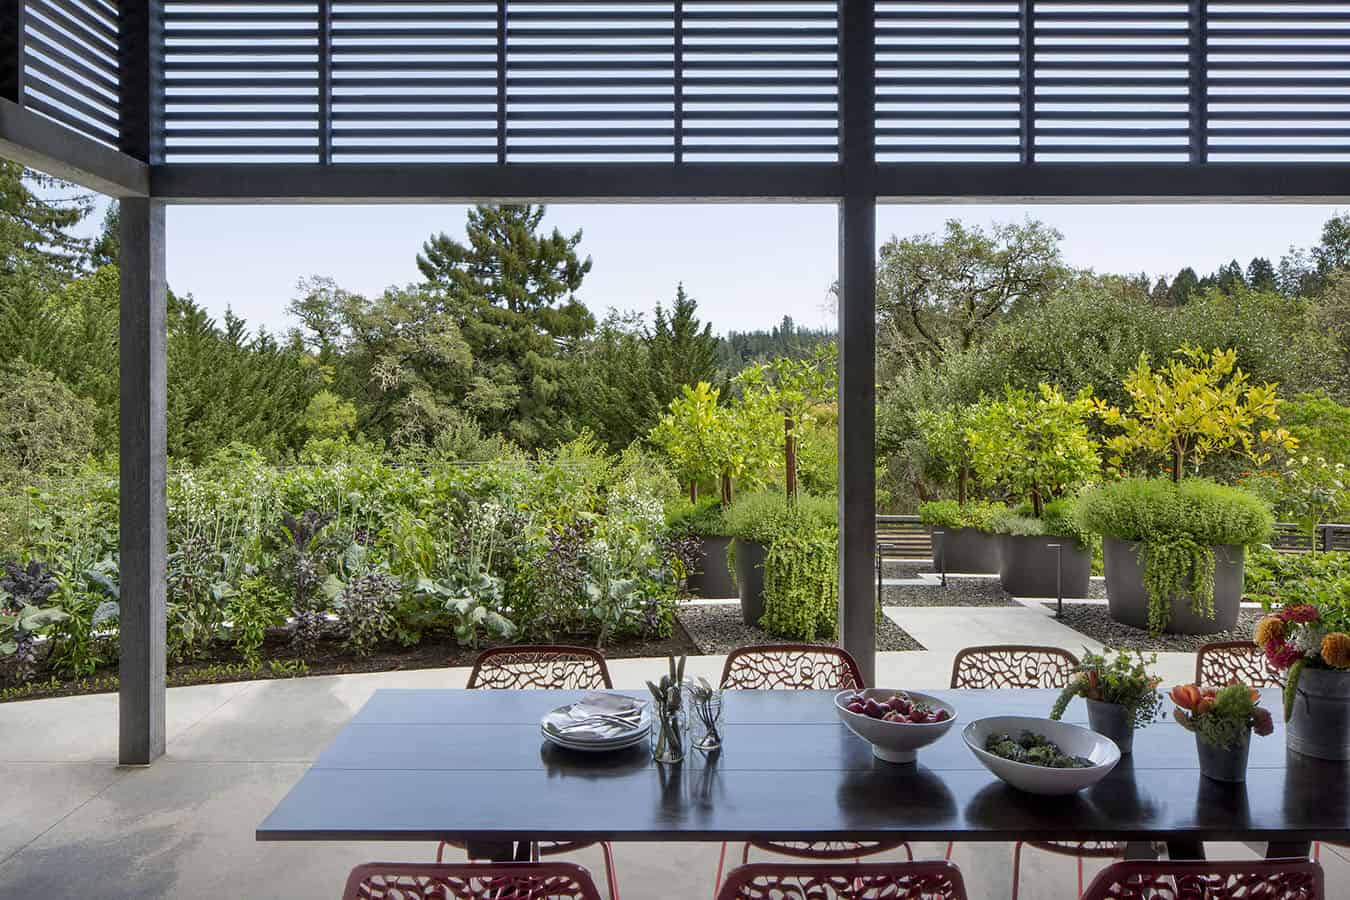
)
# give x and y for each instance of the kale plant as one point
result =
(302, 572)
(365, 609)
(24, 613)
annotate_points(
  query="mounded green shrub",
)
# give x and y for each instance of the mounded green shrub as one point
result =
(980, 515)
(1057, 520)
(764, 516)
(1177, 527)
(702, 519)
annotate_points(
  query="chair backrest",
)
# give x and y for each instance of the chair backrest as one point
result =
(1013, 666)
(801, 667)
(1287, 879)
(1228, 661)
(548, 666)
(470, 881)
(935, 880)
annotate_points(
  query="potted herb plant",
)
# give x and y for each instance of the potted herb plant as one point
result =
(966, 543)
(1223, 720)
(1121, 694)
(1038, 448)
(1172, 552)
(1310, 639)
(710, 576)
(756, 521)
(1173, 548)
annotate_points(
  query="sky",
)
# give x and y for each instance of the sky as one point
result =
(747, 265)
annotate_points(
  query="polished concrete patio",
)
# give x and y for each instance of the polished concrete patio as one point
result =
(75, 825)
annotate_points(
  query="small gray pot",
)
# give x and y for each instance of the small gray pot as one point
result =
(1228, 764)
(1320, 724)
(1114, 721)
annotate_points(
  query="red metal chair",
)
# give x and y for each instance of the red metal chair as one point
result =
(1275, 879)
(548, 667)
(798, 667)
(1228, 661)
(1026, 667)
(932, 880)
(553, 667)
(470, 881)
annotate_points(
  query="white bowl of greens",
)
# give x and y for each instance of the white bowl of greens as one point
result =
(1041, 756)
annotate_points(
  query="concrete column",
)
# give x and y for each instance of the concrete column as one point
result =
(142, 463)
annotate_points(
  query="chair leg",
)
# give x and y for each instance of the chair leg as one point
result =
(745, 855)
(1017, 867)
(1080, 878)
(909, 854)
(610, 875)
(1317, 851)
(951, 845)
(721, 862)
(440, 851)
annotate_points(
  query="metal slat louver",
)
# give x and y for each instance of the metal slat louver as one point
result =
(70, 64)
(1112, 80)
(241, 81)
(1279, 81)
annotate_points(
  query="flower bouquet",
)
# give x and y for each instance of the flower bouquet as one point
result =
(1121, 694)
(1223, 720)
(1309, 639)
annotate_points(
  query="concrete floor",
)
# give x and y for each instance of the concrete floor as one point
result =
(76, 825)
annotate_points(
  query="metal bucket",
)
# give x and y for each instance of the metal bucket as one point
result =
(1320, 724)
(1114, 721)
(1224, 763)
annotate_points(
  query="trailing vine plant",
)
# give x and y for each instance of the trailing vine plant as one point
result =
(801, 585)
(1173, 567)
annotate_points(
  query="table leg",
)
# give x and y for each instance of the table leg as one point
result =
(1288, 850)
(499, 851)
(1185, 849)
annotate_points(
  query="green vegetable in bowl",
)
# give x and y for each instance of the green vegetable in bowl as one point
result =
(1034, 750)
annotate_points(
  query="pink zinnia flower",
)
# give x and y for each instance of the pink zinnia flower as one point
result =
(1282, 655)
(1302, 613)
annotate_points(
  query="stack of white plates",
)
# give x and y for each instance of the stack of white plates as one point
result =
(598, 723)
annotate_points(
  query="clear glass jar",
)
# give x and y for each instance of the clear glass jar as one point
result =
(705, 720)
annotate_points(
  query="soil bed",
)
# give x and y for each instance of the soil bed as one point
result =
(1093, 620)
(719, 629)
(436, 650)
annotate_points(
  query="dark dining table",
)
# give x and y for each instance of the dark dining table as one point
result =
(472, 766)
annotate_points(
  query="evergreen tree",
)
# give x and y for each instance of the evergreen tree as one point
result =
(1229, 278)
(681, 351)
(1183, 286)
(611, 381)
(1261, 275)
(513, 290)
(37, 213)
(107, 247)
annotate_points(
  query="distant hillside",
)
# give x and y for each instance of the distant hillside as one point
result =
(737, 349)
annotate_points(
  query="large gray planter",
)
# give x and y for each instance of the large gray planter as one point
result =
(711, 578)
(966, 551)
(1028, 566)
(1127, 600)
(1320, 724)
(750, 579)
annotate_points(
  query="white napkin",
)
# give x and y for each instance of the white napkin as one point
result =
(593, 704)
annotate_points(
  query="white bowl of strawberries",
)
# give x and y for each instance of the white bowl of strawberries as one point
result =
(895, 723)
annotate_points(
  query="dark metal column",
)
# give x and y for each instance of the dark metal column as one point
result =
(857, 334)
(11, 50)
(142, 514)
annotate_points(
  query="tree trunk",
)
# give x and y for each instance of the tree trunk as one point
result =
(1178, 464)
(789, 459)
(963, 484)
(693, 490)
(726, 490)
(1037, 504)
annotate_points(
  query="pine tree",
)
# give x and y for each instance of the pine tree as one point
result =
(682, 351)
(1183, 286)
(1261, 274)
(1229, 278)
(37, 213)
(513, 291)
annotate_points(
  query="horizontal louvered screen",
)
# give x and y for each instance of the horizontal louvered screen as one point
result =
(1279, 81)
(70, 64)
(1112, 80)
(948, 77)
(241, 81)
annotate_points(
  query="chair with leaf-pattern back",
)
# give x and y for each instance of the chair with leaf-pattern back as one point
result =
(1224, 662)
(469, 881)
(1027, 667)
(798, 667)
(1286, 879)
(556, 667)
(929, 880)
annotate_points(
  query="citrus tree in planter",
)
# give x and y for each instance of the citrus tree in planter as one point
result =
(790, 392)
(690, 432)
(968, 543)
(1173, 548)
(1037, 447)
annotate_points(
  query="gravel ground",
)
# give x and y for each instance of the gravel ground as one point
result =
(719, 629)
(1094, 621)
(906, 568)
(958, 592)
